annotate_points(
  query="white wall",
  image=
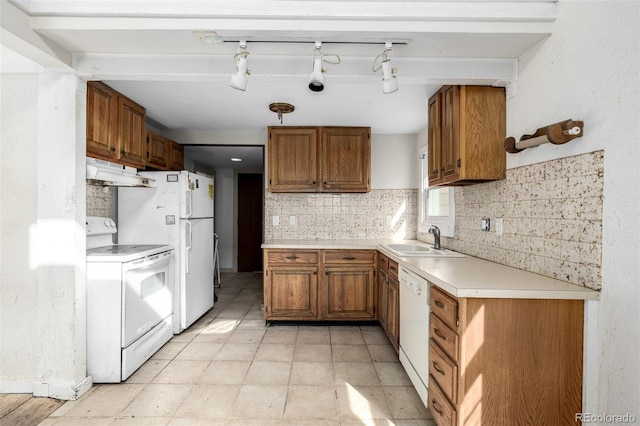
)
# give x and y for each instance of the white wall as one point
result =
(224, 219)
(394, 162)
(589, 70)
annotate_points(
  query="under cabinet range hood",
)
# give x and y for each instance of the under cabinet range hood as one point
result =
(111, 174)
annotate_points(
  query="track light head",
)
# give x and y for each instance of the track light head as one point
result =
(389, 79)
(239, 79)
(389, 73)
(316, 78)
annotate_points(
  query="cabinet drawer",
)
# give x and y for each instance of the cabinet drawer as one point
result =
(383, 262)
(295, 257)
(349, 256)
(443, 413)
(446, 338)
(393, 268)
(445, 307)
(444, 371)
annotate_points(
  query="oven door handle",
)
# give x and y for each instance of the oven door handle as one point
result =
(189, 242)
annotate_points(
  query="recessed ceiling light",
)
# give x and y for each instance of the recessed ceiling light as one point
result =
(236, 159)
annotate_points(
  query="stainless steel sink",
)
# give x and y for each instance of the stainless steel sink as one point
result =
(418, 250)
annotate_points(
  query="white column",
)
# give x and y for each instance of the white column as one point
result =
(60, 237)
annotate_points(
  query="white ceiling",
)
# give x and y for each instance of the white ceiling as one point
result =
(149, 51)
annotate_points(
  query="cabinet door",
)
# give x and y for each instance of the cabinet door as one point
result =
(450, 154)
(393, 312)
(383, 288)
(291, 292)
(132, 132)
(483, 130)
(158, 150)
(346, 159)
(176, 156)
(434, 139)
(349, 292)
(293, 159)
(102, 115)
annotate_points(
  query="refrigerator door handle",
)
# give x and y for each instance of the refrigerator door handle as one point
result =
(190, 199)
(189, 242)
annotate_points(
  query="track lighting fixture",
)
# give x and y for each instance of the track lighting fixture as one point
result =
(389, 79)
(316, 78)
(239, 79)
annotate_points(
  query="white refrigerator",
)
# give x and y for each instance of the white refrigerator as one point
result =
(177, 211)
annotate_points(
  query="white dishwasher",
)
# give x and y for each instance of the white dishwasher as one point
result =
(414, 329)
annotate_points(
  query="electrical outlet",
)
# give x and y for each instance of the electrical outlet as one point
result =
(276, 220)
(292, 220)
(485, 224)
(499, 226)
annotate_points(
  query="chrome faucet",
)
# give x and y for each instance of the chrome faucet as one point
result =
(436, 236)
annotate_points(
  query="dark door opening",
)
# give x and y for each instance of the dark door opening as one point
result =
(250, 188)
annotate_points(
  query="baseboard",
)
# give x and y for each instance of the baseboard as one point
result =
(48, 390)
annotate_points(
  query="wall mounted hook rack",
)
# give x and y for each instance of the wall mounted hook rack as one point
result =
(557, 134)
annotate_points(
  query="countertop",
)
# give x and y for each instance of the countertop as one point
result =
(463, 277)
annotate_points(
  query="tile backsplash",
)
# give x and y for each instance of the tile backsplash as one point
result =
(551, 212)
(552, 219)
(381, 214)
(100, 201)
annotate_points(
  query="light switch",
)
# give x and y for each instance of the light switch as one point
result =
(292, 220)
(276, 220)
(485, 224)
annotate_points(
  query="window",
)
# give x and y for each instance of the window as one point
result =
(436, 204)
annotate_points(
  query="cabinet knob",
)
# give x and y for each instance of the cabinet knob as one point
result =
(439, 304)
(112, 149)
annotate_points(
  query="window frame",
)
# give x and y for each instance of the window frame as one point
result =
(446, 224)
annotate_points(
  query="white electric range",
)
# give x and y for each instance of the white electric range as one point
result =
(129, 302)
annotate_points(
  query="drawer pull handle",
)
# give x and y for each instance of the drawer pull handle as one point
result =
(436, 406)
(349, 258)
(439, 304)
(437, 368)
(292, 257)
(438, 333)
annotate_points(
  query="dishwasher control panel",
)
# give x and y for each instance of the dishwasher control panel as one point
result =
(414, 282)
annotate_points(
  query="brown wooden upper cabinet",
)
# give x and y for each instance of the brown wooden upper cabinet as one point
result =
(158, 150)
(116, 129)
(176, 157)
(163, 153)
(466, 132)
(319, 159)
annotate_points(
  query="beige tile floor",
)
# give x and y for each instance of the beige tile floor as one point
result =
(230, 369)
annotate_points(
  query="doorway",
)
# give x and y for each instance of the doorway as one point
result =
(250, 193)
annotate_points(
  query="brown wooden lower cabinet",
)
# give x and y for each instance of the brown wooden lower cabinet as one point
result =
(320, 284)
(504, 362)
